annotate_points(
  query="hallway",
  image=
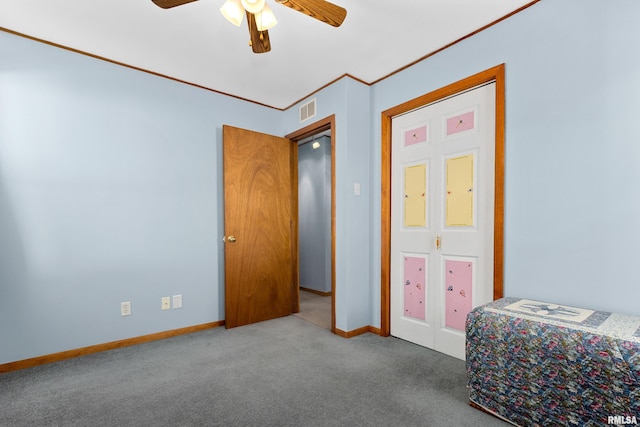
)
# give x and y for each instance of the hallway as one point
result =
(315, 309)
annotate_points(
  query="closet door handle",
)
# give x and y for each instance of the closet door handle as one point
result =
(230, 239)
(438, 242)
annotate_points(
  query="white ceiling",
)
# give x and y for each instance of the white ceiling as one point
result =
(194, 43)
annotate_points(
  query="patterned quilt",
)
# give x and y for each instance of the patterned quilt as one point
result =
(539, 364)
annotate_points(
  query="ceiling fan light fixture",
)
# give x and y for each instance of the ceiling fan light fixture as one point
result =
(265, 19)
(253, 6)
(233, 11)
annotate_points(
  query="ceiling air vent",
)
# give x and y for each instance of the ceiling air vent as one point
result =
(308, 110)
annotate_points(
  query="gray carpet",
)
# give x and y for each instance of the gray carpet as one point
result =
(284, 372)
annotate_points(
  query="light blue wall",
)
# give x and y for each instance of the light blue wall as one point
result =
(110, 191)
(572, 152)
(359, 283)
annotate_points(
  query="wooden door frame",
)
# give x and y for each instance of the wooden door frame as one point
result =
(328, 123)
(495, 74)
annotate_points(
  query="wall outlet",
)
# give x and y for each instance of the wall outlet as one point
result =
(166, 303)
(177, 301)
(125, 308)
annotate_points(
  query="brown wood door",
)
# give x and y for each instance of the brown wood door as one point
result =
(258, 213)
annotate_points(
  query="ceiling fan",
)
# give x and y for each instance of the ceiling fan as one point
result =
(260, 18)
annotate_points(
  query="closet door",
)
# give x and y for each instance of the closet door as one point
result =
(442, 218)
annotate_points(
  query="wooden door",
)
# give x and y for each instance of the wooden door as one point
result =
(260, 278)
(442, 215)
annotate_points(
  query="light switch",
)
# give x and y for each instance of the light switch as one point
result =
(356, 188)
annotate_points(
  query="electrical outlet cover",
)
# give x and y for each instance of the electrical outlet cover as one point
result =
(166, 303)
(125, 308)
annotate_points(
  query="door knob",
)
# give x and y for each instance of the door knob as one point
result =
(230, 239)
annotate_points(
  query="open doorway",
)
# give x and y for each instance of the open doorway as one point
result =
(314, 228)
(316, 222)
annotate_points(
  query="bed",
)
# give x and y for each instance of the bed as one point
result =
(534, 363)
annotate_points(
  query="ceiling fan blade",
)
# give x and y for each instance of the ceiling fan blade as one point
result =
(321, 10)
(259, 39)
(167, 4)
